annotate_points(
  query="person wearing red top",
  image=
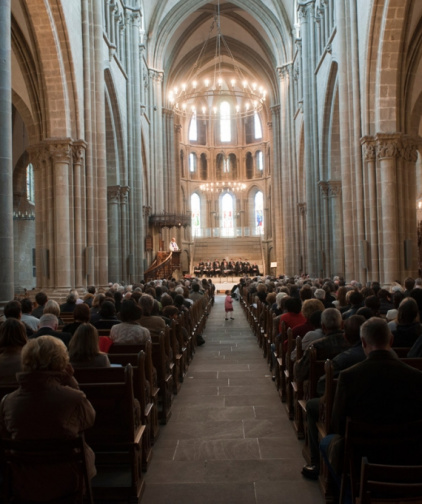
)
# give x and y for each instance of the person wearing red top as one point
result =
(293, 317)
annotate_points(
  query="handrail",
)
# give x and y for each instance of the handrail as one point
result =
(155, 268)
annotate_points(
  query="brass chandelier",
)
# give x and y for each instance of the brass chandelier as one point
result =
(219, 187)
(200, 95)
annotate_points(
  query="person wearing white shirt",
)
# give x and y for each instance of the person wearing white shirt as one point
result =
(173, 245)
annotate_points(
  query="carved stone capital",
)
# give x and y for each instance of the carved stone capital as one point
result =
(334, 188)
(409, 149)
(78, 151)
(178, 128)
(302, 208)
(38, 154)
(124, 195)
(388, 146)
(113, 194)
(156, 75)
(324, 186)
(369, 148)
(60, 150)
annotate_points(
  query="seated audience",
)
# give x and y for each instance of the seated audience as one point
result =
(13, 309)
(27, 317)
(80, 315)
(70, 304)
(129, 331)
(309, 307)
(343, 360)
(327, 347)
(311, 336)
(408, 327)
(48, 326)
(12, 339)
(40, 300)
(47, 405)
(154, 323)
(108, 316)
(356, 301)
(293, 316)
(380, 390)
(84, 348)
(53, 307)
(89, 296)
(94, 311)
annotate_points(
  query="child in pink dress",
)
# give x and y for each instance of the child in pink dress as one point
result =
(228, 305)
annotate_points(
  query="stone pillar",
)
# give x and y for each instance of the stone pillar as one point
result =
(113, 198)
(60, 153)
(78, 152)
(124, 200)
(156, 141)
(409, 154)
(336, 242)
(277, 170)
(325, 228)
(371, 207)
(6, 167)
(387, 153)
(306, 10)
(302, 208)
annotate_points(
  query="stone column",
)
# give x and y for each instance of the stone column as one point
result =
(387, 153)
(78, 152)
(278, 229)
(6, 167)
(113, 199)
(60, 153)
(325, 227)
(44, 235)
(306, 10)
(156, 141)
(371, 207)
(124, 200)
(302, 208)
(409, 154)
(336, 243)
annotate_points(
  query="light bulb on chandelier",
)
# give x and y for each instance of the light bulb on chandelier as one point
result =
(219, 187)
(199, 94)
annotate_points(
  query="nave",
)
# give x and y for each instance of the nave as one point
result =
(229, 439)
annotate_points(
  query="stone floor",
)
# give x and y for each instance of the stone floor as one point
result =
(229, 439)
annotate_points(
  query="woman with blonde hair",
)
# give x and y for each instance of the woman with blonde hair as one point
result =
(47, 405)
(84, 348)
(53, 307)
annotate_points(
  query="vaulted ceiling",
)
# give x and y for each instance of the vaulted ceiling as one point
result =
(258, 34)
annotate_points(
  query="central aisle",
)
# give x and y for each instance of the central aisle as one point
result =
(229, 439)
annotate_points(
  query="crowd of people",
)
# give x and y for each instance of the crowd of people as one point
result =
(356, 326)
(39, 352)
(225, 268)
(360, 328)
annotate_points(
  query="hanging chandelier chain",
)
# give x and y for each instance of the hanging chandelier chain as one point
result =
(247, 99)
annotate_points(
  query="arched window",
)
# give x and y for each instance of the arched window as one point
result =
(193, 129)
(257, 126)
(192, 162)
(249, 166)
(204, 167)
(30, 190)
(225, 120)
(227, 207)
(259, 213)
(259, 162)
(195, 205)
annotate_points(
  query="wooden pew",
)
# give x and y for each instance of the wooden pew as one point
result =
(115, 439)
(308, 391)
(141, 390)
(163, 366)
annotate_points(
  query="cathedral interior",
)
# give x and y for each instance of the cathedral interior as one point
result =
(284, 132)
